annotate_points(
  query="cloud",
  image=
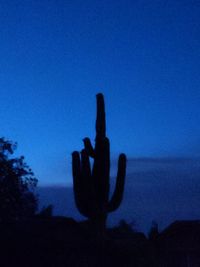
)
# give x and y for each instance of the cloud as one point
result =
(162, 189)
(141, 165)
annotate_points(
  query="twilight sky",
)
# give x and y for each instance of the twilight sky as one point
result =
(56, 55)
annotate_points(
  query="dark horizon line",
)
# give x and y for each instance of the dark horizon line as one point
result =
(164, 159)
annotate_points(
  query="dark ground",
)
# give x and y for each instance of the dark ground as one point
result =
(62, 242)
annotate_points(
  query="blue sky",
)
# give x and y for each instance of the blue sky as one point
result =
(56, 55)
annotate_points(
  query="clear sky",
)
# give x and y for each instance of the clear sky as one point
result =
(56, 55)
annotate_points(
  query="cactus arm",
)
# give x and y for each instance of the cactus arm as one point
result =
(88, 147)
(119, 187)
(76, 168)
(80, 194)
(87, 185)
(85, 167)
(77, 181)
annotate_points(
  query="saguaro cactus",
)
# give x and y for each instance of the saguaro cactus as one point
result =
(91, 186)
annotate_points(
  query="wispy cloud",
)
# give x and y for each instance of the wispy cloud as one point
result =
(161, 189)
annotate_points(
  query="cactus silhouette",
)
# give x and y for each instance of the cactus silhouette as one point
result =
(91, 185)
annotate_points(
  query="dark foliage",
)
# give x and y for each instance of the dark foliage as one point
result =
(91, 185)
(46, 212)
(153, 233)
(17, 183)
(123, 229)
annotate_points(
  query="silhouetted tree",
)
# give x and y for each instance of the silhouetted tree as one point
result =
(125, 227)
(153, 233)
(46, 212)
(17, 183)
(122, 230)
(91, 187)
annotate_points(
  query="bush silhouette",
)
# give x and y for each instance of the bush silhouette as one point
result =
(17, 183)
(46, 212)
(153, 233)
(91, 187)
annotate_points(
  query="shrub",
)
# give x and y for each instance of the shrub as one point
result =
(17, 184)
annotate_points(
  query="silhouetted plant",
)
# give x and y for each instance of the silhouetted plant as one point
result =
(91, 186)
(17, 182)
(153, 233)
(122, 230)
(125, 227)
(46, 212)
